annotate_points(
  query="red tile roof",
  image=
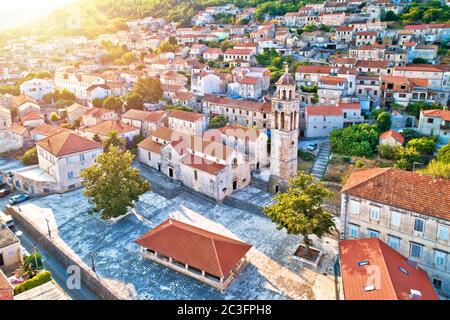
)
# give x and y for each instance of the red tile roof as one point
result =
(355, 106)
(394, 134)
(240, 104)
(332, 80)
(402, 189)
(443, 114)
(250, 81)
(186, 115)
(203, 164)
(65, 143)
(372, 64)
(323, 111)
(16, 128)
(199, 248)
(105, 127)
(97, 112)
(32, 116)
(384, 263)
(142, 115)
(47, 130)
(6, 289)
(150, 145)
(314, 69)
(239, 51)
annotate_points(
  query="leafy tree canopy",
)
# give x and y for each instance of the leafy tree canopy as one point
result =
(112, 184)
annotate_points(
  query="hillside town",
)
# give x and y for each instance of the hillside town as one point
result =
(279, 158)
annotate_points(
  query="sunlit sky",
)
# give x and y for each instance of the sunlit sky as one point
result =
(16, 12)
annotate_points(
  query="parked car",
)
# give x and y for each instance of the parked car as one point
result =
(312, 146)
(4, 192)
(19, 198)
(7, 219)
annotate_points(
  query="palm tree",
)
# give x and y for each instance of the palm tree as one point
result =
(113, 139)
(31, 265)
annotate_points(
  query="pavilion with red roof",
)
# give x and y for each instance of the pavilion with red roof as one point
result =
(209, 257)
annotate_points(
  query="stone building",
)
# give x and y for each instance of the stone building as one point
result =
(284, 133)
(408, 211)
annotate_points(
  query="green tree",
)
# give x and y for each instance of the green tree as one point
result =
(112, 184)
(407, 158)
(54, 116)
(149, 89)
(356, 140)
(438, 169)
(97, 138)
(443, 154)
(97, 102)
(410, 133)
(384, 121)
(30, 157)
(31, 265)
(424, 145)
(112, 103)
(387, 151)
(391, 16)
(134, 101)
(300, 210)
(217, 122)
(115, 140)
(415, 107)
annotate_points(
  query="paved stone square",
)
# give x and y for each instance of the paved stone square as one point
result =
(271, 274)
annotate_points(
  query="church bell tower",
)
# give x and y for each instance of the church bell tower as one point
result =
(284, 133)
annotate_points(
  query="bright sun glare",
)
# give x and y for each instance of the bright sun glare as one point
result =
(16, 12)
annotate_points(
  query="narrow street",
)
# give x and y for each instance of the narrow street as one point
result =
(58, 271)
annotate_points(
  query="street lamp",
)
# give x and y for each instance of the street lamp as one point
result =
(48, 229)
(93, 254)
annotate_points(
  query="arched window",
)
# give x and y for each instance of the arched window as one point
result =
(284, 95)
(282, 121)
(195, 175)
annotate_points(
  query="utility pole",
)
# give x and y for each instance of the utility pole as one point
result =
(92, 254)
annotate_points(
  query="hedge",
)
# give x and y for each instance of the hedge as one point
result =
(40, 278)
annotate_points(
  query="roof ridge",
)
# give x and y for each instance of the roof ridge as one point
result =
(381, 171)
(213, 240)
(387, 269)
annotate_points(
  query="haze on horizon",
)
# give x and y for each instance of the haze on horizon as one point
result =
(14, 13)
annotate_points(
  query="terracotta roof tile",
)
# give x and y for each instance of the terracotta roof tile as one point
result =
(105, 127)
(392, 284)
(199, 248)
(186, 115)
(323, 111)
(443, 114)
(394, 134)
(150, 145)
(402, 189)
(65, 143)
(32, 116)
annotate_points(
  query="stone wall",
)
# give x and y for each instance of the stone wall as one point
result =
(88, 277)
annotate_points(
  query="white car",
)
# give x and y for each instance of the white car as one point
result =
(6, 219)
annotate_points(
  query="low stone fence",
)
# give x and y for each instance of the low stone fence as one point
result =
(88, 277)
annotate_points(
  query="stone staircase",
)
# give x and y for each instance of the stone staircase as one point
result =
(320, 164)
(250, 199)
(160, 184)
